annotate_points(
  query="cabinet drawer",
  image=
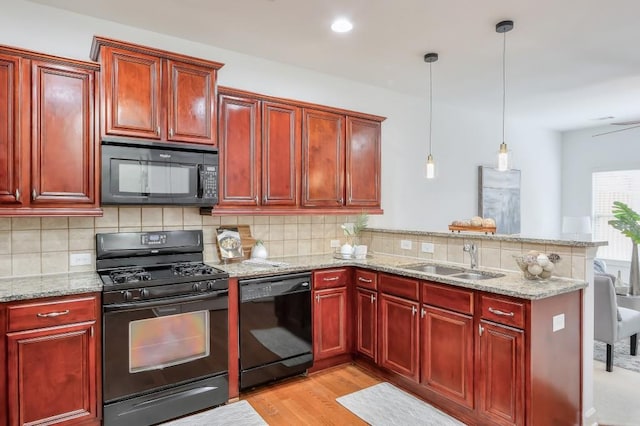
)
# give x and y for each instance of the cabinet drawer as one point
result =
(448, 297)
(41, 314)
(366, 279)
(503, 311)
(399, 286)
(330, 278)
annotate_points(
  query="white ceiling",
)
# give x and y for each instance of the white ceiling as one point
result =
(568, 61)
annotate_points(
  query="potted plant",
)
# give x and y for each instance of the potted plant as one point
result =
(627, 221)
(352, 232)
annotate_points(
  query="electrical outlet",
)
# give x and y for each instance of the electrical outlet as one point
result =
(427, 247)
(405, 244)
(79, 259)
(335, 243)
(558, 322)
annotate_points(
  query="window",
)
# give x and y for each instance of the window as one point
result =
(620, 185)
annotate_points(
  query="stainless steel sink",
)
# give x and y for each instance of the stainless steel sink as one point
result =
(433, 269)
(477, 275)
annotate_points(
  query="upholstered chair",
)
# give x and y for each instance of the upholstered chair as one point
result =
(613, 323)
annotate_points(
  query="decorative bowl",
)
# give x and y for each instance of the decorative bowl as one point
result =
(537, 266)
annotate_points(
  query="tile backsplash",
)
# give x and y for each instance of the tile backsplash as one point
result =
(37, 245)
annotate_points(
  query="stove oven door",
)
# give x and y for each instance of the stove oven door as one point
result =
(154, 345)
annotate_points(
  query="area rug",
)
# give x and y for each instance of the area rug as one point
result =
(239, 413)
(385, 404)
(621, 356)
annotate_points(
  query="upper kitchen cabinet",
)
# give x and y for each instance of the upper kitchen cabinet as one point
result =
(155, 94)
(259, 152)
(47, 135)
(341, 160)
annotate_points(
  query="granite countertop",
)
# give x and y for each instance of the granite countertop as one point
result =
(46, 285)
(511, 284)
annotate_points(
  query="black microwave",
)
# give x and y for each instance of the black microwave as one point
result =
(140, 172)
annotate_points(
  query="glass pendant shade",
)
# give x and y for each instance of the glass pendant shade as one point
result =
(503, 158)
(431, 168)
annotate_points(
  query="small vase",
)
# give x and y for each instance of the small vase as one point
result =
(634, 273)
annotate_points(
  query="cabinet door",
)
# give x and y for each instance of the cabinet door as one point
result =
(500, 375)
(367, 323)
(51, 375)
(132, 84)
(330, 323)
(399, 339)
(280, 154)
(447, 354)
(239, 151)
(10, 116)
(362, 163)
(62, 135)
(191, 103)
(323, 159)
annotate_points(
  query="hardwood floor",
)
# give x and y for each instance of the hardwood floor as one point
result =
(311, 400)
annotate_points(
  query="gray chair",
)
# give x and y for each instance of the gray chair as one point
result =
(613, 323)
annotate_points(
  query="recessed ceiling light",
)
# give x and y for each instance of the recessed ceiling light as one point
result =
(341, 25)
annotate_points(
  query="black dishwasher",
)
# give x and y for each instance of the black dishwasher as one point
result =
(275, 328)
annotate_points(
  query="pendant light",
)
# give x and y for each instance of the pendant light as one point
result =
(431, 167)
(503, 27)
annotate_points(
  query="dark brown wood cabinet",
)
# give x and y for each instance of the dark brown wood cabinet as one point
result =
(366, 314)
(501, 367)
(154, 94)
(48, 135)
(399, 336)
(259, 152)
(322, 159)
(53, 351)
(362, 171)
(331, 342)
(447, 353)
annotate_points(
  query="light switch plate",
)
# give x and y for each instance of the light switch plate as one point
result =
(427, 247)
(558, 322)
(79, 259)
(335, 243)
(405, 244)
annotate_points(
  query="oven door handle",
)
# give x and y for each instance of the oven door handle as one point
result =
(164, 302)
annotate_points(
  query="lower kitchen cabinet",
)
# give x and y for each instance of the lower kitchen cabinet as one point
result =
(399, 338)
(501, 366)
(447, 354)
(366, 332)
(330, 323)
(52, 361)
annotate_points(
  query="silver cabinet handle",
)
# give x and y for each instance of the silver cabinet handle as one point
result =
(17, 194)
(264, 199)
(414, 311)
(171, 132)
(33, 194)
(373, 298)
(498, 312)
(158, 130)
(330, 279)
(53, 314)
(341, 201)
(256, 199)
(317, 298)
(423, 312)
(480, 329)
(364, 280)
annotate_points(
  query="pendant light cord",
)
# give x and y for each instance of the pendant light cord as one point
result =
(430, 104)
(504, 80)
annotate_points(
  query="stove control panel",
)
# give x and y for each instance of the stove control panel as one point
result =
(153, 239)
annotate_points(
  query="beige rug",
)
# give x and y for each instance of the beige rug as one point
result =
(239, 413)
(616, 396)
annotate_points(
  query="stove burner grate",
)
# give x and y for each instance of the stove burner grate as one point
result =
(129, 275)
(190, 269)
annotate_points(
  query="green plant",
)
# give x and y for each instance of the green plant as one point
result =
(352, 230)
(626, 221)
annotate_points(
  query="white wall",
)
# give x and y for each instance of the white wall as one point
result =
(462, 139)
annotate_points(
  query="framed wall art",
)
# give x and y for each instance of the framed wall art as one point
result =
(499, 198)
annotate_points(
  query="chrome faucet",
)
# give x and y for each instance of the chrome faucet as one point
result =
(472, 249)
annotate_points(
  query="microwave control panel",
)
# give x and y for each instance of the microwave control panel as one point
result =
(209, 182)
